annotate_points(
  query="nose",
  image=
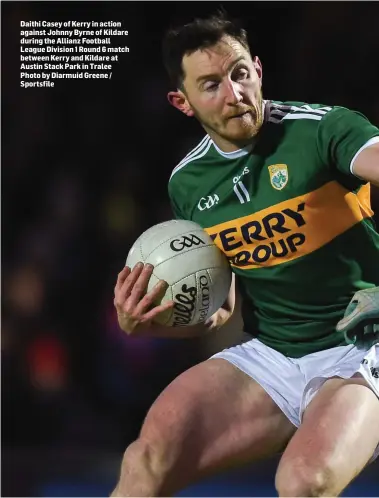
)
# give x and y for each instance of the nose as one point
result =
(233, 93)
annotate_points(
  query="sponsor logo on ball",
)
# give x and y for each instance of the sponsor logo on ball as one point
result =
(204, 297)
(187, 241)
(185, 303)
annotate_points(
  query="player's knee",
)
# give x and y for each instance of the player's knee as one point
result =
(299, 479)
(144, 469)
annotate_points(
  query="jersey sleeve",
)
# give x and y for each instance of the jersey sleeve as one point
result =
(174, 196)
(178, 215)
(341, 134)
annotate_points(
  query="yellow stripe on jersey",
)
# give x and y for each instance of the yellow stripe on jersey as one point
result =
(293, 228)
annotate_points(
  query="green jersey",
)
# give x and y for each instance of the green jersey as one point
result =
(294, 222)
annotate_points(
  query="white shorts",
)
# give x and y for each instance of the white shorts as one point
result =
(292, 383)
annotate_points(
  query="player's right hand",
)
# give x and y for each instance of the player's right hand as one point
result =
(135, 307)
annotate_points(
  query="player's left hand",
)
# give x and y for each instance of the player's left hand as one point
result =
(360, 323)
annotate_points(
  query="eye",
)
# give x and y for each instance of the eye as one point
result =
(241, 73)
(211, 86)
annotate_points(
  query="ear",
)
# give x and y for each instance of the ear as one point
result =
(258, 67)
(179, 100)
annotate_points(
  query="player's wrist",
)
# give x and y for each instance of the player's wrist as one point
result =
(218, 319)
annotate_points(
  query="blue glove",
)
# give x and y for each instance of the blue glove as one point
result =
(360, 323)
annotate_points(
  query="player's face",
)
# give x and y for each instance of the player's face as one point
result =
(222, 89)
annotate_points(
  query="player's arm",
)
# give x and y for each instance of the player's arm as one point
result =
(136, 310)
(366, 164)
(347, 141)
(222, 315)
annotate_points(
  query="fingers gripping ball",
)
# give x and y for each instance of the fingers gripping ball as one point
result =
(360, 323)
(196, 271)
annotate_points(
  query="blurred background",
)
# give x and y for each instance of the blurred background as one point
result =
(85, 167)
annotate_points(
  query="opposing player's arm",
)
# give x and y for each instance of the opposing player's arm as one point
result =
(366, 164)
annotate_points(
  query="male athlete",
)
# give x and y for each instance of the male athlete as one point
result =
(283, 189)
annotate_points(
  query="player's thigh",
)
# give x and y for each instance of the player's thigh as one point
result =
(214, 416)
(337, 438)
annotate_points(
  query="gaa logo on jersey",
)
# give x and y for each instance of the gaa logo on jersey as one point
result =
(278, 175)
(208, 202)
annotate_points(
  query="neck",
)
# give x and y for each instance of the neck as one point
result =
(226, 145)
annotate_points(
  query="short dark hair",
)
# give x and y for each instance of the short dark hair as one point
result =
(198, 34)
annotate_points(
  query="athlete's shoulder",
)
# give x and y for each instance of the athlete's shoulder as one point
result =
(319, 116)
(199, 153)
(184, 178)
(284, 111)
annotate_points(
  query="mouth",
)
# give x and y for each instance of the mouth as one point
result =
(240, 115)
